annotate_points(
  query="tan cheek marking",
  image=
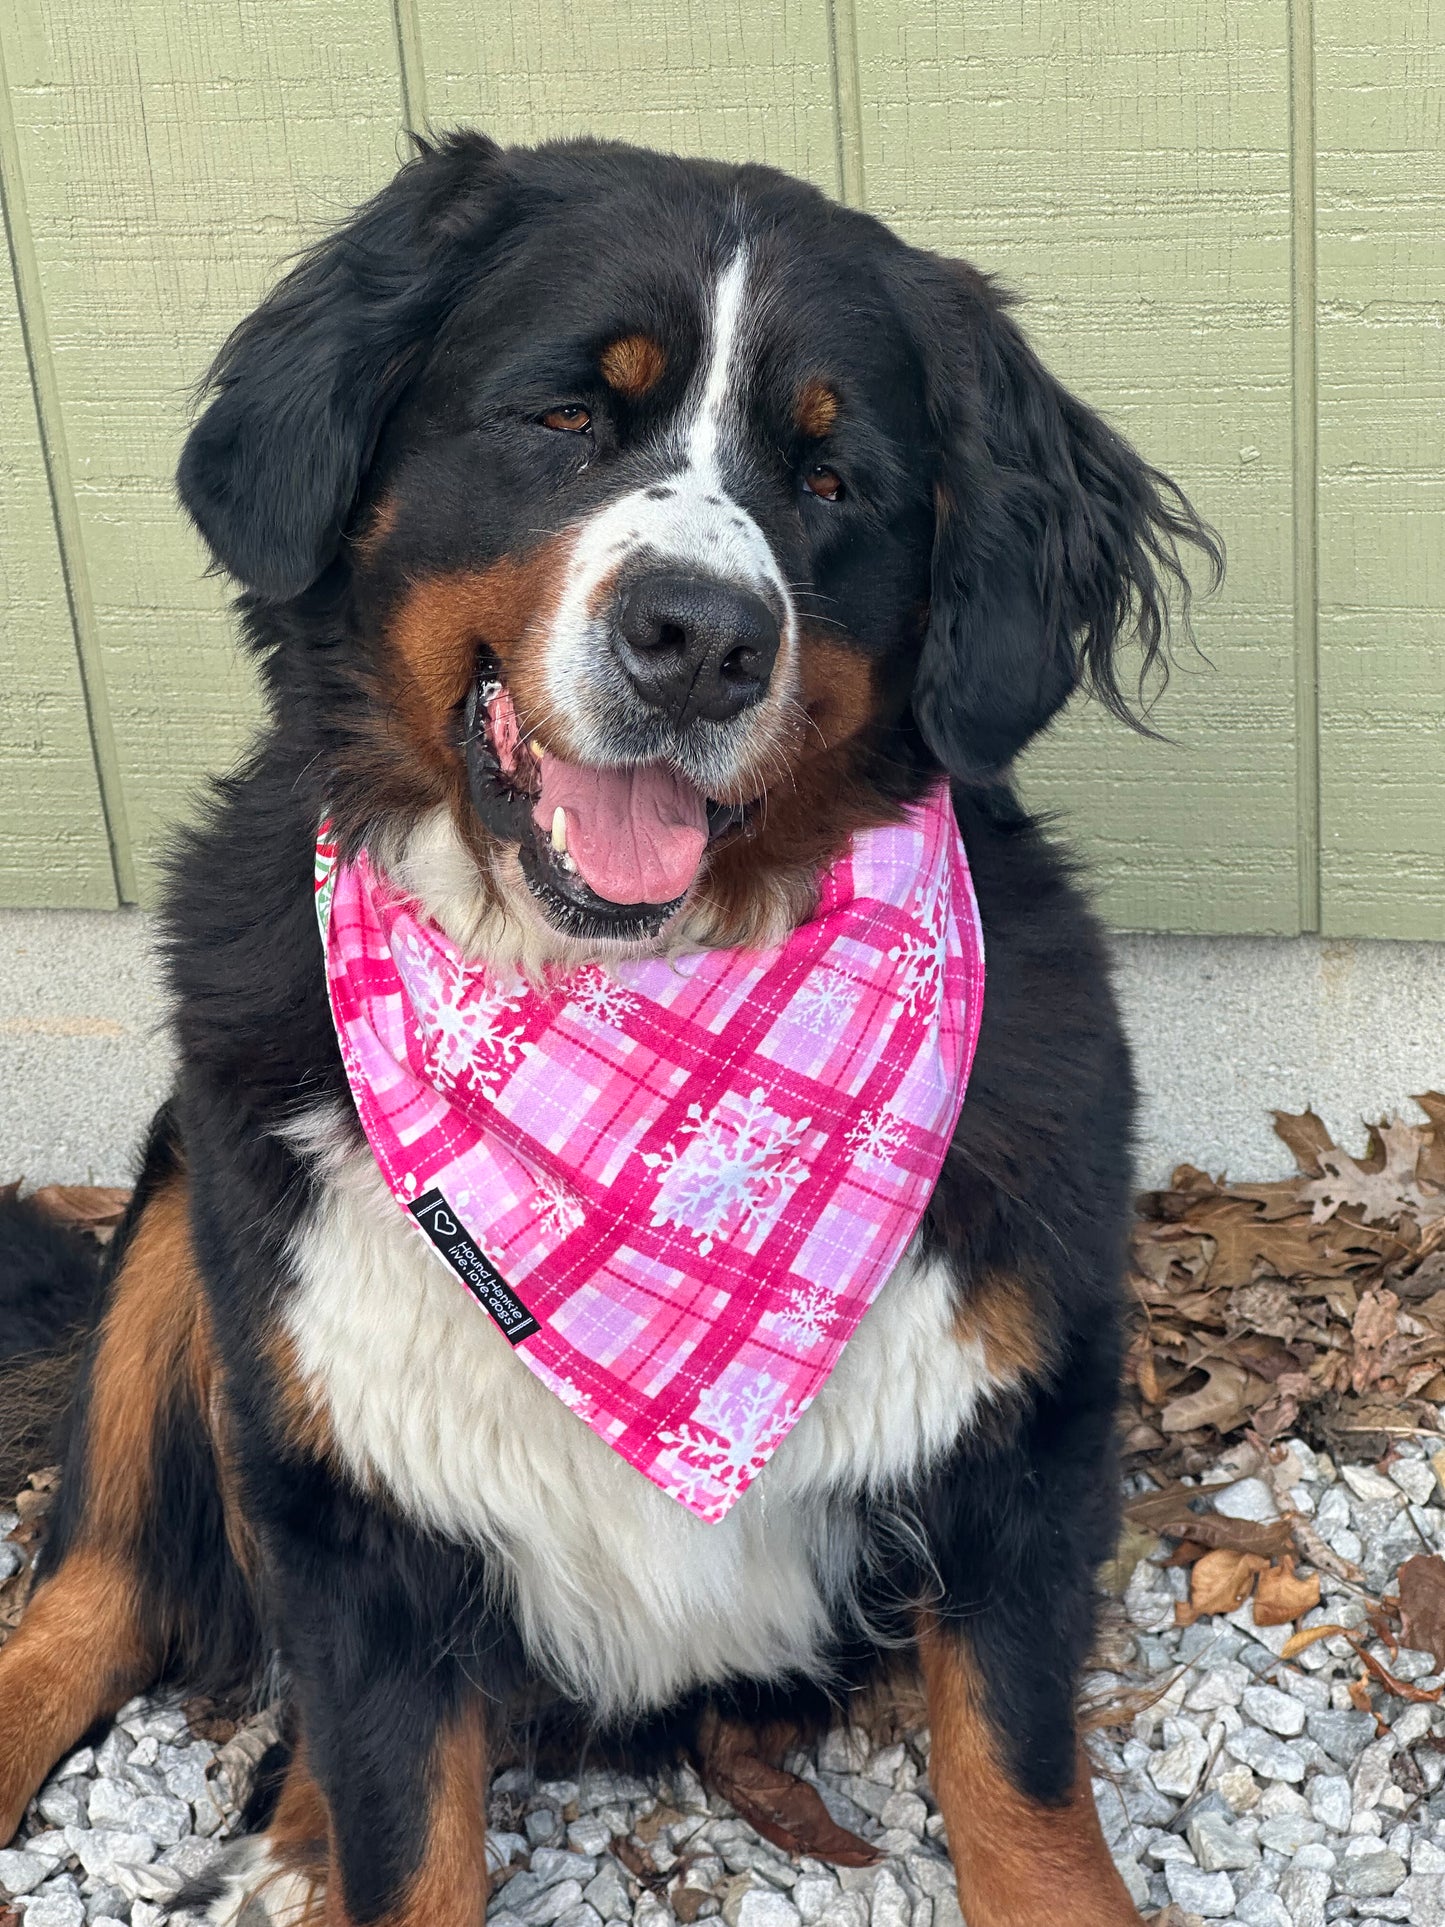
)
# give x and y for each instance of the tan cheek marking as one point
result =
(999, 1312)
(816, 409)
(445, 619)
(837, 692)
(1019, 1864)
(377, 533)
(633, 365)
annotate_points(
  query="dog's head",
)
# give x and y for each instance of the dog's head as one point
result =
(663, 523)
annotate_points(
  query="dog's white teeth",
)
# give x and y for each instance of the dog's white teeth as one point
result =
(535, 747)
(559, 830)
(564, 862)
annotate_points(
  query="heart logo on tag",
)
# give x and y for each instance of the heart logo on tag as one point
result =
(444, 1224)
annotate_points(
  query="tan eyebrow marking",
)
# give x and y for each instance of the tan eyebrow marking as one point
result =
(633, 364)
(816, 408)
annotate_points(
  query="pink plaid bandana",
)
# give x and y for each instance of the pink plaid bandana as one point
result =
(676, 1185)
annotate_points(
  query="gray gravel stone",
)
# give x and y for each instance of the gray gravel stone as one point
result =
(891, 1905)
(551, 1902)
(1271, 1758)
(1304, 1891)
(1424, 1896)
(1288, 1832)
(1330, 1801)
(1210, 1895)
(1367, 1875)
(1176, 1771)
(765, 1907)
(106, 1849)
(1343, 1735)
(1218, 1845)
(581, 1916)
(1262, 1909)
(59, 1802)
(1249, 1499)
(1267, 1706)
(608, 1892)
(58, 1905)
(22, 1873)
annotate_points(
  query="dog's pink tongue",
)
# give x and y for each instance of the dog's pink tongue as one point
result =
(636, 835)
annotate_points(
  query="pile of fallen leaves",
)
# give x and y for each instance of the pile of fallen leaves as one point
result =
(1314, 1306)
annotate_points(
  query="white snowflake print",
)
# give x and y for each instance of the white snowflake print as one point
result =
(811, 1310)
(922, 955)
(734, 1173)
(459, 1034)
(559, 1209)
(571, 1395)
(600, 998)
(879, 1134)
(730, 1439)
(825, 1002)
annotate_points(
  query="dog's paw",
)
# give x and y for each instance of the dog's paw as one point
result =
(247, 1887)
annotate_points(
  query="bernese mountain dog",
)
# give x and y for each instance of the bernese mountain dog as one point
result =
(620, 538)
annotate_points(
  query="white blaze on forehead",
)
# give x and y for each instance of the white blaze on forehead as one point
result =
(722, 352)
(681, 519)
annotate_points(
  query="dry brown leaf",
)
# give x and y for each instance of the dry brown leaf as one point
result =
(1305, 1136)
(1360, 1696)
(1373, 1331)
(1280, 1598)
(1381, 1195)
(784, 1809)
(1269, 1309)
(1301, 1642)
(1222, 1402)
(1401, 1689)
(89, 1207)
(1220, 1582)
(1431, 1166)
(1168, 1511)
(1422, 1605)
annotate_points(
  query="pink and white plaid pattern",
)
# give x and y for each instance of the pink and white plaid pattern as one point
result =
(676, 1185)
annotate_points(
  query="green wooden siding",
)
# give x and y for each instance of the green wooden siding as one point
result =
(1380, 200)
(1226, 224)
(53, 843)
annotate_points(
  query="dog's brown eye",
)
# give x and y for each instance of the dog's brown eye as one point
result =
(825, 483)
(572, 418)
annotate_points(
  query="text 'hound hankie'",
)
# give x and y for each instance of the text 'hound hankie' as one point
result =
(675, 1184)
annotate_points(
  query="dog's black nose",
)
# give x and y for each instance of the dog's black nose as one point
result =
(696, 649)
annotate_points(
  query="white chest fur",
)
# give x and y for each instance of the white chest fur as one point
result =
(623, 1597)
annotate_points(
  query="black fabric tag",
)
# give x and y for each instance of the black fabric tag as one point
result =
(476, 1271)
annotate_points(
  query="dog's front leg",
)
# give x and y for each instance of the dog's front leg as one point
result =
(384, 1809)
(385, 1804)
(1016, 1525)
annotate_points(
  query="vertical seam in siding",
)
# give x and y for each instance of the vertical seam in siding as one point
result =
(407, 25)
(63, 508)
(847, 101)
(1304, 384)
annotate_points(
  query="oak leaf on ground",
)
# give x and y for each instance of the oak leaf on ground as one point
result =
(1221, 1581)
(1280, 1598)
(1422, 1605)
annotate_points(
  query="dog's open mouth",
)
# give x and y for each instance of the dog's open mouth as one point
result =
(607, 852)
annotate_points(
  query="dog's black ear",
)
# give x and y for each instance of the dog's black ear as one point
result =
(270, 472)
(1054, 538)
